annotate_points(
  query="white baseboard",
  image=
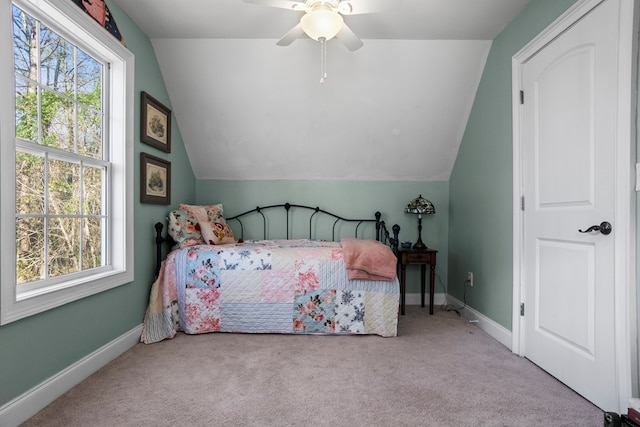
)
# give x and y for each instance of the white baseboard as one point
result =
(31, 402)
(495, 330)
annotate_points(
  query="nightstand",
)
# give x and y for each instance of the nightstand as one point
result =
(423, 257)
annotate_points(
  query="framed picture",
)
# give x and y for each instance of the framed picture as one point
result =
(155, 123)
(155, 180)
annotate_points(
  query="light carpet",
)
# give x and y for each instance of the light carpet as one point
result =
(440, 371)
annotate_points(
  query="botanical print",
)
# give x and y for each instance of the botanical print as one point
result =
(156, 180)
(156, 124)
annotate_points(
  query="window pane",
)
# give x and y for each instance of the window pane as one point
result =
(64, 188)
(93, 179)
(57, 121)
(29, 250)
(89, 81)
(26, 111)
(57, 69)
(29, 184)
(92, 244)
(25, 52)
(90, 133)
(64, 246)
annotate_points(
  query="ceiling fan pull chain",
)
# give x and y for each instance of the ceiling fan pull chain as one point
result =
(323, 59)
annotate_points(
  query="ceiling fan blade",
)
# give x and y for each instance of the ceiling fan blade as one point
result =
(282, 4)
(348, 38)
(293, 34)
(359, 7)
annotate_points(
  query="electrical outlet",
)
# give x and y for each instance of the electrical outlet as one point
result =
(470, 278)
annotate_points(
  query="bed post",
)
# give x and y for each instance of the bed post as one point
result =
(378, 216)
(159, 241)
(396, 237)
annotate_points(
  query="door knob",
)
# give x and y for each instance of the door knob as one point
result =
(604, 228)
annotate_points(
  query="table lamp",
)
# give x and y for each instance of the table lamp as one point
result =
(420, 206)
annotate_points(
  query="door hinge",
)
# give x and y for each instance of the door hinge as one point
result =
(522, 203)
(521, 309)
(521, 97)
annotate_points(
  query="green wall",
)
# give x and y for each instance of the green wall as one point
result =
(350, 199)
(35, 348)
(480, 216)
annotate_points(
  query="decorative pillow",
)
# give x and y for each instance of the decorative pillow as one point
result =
(216, 233)
(183, 230)
(204, 213)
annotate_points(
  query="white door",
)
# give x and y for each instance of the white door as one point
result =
(569, 130)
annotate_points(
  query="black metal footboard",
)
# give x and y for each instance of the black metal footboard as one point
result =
(382, 234)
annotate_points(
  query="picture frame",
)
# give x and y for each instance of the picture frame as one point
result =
(155, 180)
(155, 123)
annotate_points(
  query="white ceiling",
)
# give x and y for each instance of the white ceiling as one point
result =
(395, 109)
(235, 19)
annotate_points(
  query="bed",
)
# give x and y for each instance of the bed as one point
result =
(342, 282)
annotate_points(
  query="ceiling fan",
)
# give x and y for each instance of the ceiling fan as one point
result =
(323, 21)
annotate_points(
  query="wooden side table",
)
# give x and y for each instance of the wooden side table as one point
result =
(423, 257)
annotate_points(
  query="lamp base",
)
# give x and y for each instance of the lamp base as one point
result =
(419, 245)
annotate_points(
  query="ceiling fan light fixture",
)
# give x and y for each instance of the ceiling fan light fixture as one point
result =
(322, 22)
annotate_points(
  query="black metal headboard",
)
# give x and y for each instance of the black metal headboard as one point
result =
(382, 233)
(315, 210)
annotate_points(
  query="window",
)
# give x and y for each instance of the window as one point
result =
(65, 156)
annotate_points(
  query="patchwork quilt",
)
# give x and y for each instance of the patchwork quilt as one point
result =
(267, 286)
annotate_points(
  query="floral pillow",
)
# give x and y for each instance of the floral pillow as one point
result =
(216, 233)
(183, 230)
(209, 213)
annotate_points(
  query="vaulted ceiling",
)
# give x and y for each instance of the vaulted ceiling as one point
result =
(395, 109)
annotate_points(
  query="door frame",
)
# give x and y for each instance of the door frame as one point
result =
(625, 218)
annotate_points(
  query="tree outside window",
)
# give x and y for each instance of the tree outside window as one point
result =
(59, 190)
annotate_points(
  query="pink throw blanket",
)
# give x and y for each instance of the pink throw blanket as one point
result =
(368, 259)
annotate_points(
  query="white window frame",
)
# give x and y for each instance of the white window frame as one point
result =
(75, 25)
